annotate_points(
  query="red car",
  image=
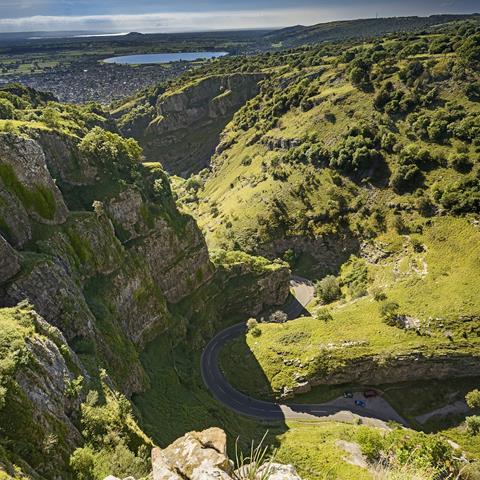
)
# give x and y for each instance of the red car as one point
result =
(370, 393)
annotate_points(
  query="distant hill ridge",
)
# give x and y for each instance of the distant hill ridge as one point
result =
(337, 30)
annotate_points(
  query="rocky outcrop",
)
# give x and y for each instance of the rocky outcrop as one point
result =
(24, 173)
(203, 456)
(378, 370)
(55, 296)
(264, 289)
(179, 262)
(40, 400)
(273, 143)
(64, 161)
(196, 455)
(329, 252)
(125, 211)
(188, 122)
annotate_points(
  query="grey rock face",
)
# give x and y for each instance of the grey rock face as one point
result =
(27, 160)
(15, 219)
(125, 211)
(55, 296)
(409, 367)
(43, 384)
(269, 289)
(277, 471)
(64, 161)
(179, 262)
(9, 261)
(188, 123)
(329, 251)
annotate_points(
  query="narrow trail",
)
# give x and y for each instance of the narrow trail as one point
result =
(377, 411)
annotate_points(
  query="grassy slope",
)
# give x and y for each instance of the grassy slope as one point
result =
(234, 206)
(452, 252)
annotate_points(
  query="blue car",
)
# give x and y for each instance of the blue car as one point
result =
(360, 403)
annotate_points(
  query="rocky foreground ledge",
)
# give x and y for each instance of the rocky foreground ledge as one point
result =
(203, 456)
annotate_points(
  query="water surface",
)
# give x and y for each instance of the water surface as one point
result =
(143, 59)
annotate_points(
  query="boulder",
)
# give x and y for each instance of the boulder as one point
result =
(277, 471)
(202, 456)
(111, 477)
(198, 455)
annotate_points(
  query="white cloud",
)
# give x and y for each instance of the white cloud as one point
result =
(172, 22)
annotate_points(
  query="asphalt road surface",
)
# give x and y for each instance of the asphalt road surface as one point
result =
(216, 382)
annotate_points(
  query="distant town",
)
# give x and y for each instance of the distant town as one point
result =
(93, 80)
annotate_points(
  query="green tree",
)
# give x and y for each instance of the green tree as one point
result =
(469, 51)
(7, 110)
(460, 162)
(473, 424)
(473, 399)
(252, 327)
(389, 312)
(328, 289)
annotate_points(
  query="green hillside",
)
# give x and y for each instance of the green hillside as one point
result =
(359, 28)
(338, 148)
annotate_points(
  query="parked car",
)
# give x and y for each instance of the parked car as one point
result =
(360, 403)
(347, 395)
(370, 393)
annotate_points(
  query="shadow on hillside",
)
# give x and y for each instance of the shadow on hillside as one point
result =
(294, 309)
(178, 401)
(248, 385)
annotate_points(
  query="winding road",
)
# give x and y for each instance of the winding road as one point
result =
(339, 409)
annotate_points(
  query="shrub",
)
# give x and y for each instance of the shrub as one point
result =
(472, 91)
(473, 399)
(252, 327)
(371, 443)
(460, 197)
(473, 424)
(7, 110)
(119, 460)
(355, 152)
(328, 289)
(324, 315)
(355, 277)
(278, 317)
(389, 312)
(469, 51)
(378, 294)
(252, 323)
(406, 178)
(460, 162)
(360, 72)
(425, 206)
(116, 153)
(412, 71)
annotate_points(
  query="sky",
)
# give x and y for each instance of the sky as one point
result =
(200, 15)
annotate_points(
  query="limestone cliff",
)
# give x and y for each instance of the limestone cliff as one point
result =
(183, 129)
(39, 395)
(108, 263)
